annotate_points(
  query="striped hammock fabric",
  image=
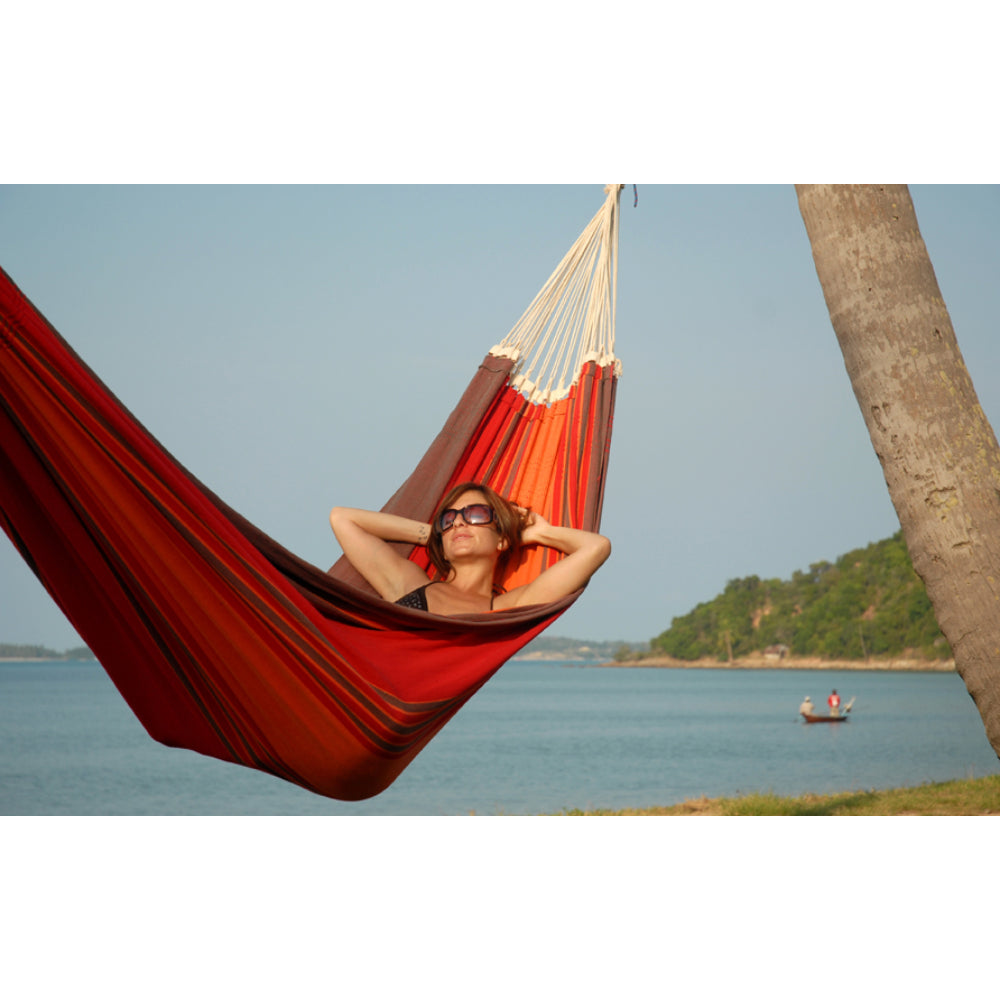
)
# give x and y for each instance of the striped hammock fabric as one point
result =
(223, 642)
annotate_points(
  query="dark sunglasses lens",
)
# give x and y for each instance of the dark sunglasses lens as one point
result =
(478, 513)
(475, 513)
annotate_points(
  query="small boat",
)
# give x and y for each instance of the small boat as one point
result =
(824, 718)
(810, 717)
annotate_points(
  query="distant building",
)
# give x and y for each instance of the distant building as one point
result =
(776, 652)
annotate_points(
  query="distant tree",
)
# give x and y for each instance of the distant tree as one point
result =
(937, 449)
(16, 651)
(79, 653)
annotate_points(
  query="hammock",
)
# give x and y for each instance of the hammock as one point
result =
(223, 642)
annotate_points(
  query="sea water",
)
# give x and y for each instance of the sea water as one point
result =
(539, 738)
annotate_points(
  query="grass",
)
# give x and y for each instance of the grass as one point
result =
(968, 797)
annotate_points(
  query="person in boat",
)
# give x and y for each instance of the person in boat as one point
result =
(834, 702)
(473, 535)
(807, 707)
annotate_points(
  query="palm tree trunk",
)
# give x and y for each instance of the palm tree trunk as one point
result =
(938, 452)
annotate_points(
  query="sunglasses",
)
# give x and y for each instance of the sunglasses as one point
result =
(475, 513)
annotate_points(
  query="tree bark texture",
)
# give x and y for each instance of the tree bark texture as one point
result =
(938, 452)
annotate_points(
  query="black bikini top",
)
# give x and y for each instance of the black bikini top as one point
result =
(417, 599)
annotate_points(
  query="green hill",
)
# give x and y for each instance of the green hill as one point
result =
(869, 602)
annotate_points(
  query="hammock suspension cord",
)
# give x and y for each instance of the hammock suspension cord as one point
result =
(572, 318)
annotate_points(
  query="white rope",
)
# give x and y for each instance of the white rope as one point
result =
(572, 319)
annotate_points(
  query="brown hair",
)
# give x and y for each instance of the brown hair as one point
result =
(507, 523)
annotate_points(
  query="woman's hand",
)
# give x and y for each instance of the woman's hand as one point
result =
(534, 527)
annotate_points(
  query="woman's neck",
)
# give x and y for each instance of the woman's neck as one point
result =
(471, 579)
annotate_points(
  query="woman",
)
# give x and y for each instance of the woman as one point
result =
(474, 533)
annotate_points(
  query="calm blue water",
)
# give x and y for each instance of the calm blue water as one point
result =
(536, 739)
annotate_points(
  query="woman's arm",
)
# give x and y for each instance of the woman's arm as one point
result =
(364, 536)
(586, 552)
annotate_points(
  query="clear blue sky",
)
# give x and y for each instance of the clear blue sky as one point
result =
(298, 347)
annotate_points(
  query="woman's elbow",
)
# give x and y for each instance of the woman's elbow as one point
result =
(598, 551)
(603, 546)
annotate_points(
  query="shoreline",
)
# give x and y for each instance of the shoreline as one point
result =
(668, 663)
(896, 664)
(47, 659)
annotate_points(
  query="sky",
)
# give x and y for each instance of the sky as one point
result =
(299, 346)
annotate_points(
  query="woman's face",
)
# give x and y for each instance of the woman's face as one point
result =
(463, 539)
